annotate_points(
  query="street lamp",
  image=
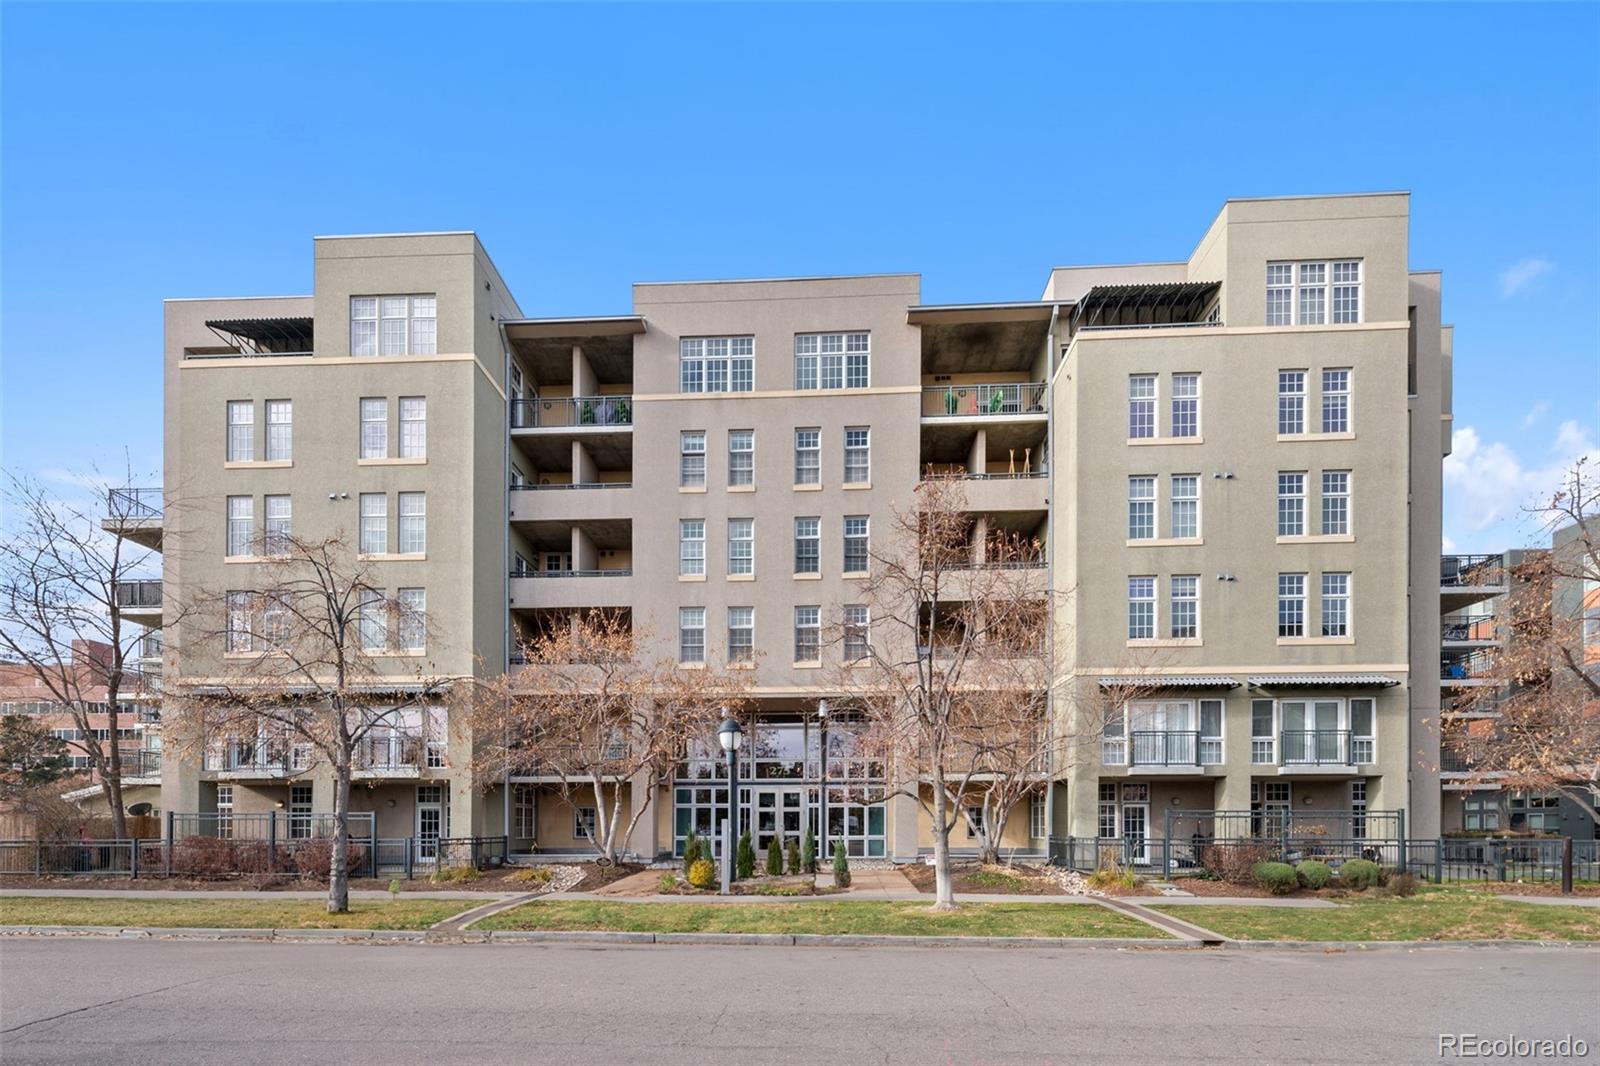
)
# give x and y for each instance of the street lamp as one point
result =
(822, 791)
(731, 736)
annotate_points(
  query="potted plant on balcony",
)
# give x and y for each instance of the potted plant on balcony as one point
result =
(586, 413)
(949, 401)
(624, 413)
(997, 400)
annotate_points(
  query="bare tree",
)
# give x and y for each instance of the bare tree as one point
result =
(1546, 736)
(951, 691)
(60, 572)
(306, 663)
(599, 718)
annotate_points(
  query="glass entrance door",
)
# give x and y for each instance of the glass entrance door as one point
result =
(1136, 830)
(780, 815)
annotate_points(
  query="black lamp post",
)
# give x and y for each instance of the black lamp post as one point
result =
(731, 736)
(822, 792)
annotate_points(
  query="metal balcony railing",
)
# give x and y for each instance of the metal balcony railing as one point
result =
(578, 411)
(1315, 747)
(572, 573)
(1470, 629)
(148, 648)
(574, 485)
(141, 762)
(137, 594)
(970, 401)
(1471, 571)
(134, 504)
(1161, 747)
(1477, 665)
(245, 757)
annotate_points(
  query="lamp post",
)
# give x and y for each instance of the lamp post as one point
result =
(731, 737)
(822, 791)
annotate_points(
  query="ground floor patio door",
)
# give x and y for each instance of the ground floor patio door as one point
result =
(430, 821)
(1136, 831)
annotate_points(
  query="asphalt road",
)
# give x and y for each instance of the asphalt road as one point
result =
(160, 1002)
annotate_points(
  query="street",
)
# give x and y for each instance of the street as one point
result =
(93, 1000)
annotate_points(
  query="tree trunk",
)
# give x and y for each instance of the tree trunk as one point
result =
(339, 863)
(111, 771)
(944, 896)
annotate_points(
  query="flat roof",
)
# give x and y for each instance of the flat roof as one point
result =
(578, 326)
(801, 277)
(958, 314)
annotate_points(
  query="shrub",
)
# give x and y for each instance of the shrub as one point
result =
(1401, 884)
(1235, 862)
(313, 858)
(1277, 877)
(691, 852)
(394, 886)
(450, 875)
(1314, 874)
(746, 855)
(792, 857)
(1112, 874)
(808, 853)
(703, 874)
(201, 856)
(1359, 874)
(533, 875)
(775, 857)
(841, 865)
(668, 884)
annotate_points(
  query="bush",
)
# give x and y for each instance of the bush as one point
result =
(1359, 874)
(1401, 885)
(745, 855)
(792, 858)
(691, 852)
(1314, 874)
(313, 858)
(1112, 874)
(808, 853)
(533, 875)
(452, 875)
(394, 886)
(668, 883)
(202, 857)
(703, 874)
(1277, 877)
(1235, 862)
(841, 865)
(775, 857)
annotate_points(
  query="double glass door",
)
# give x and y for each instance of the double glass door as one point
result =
(779, 814)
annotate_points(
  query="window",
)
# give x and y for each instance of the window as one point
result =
(1291, 504)
(692, 458)
(370, 621)
(691, 634)
(807, 634)
(855, 544)
(1347, 291)
(1280, 294)
(1336, 401)
(413, 523)
(1358, 808)
(1300, 293)
(1037, 828)
(374, 523)
(1312, 306)
(225, 811)
(857, 455)
(1141, 406)
(974, 819)
(1210, 732)
(741, 545)
(275, 621)
(716, 364)
(1141, 508)
(856, 619)
(280, 430)
(808, 545)
(412, 621)
(1108, 810)
(1481, 813)
(238, 632)
(808, 457)
(832, 360)
(278, 524)
(393, 325)
(1184, 618)
(524, 812)
(1291, 402)
(1185, 505)
(1291, 605)
(1363, 730)
(1141, 608)
(583, 823)
(1186, 405)
(741, 456)
(413, 427)
(241, 431)
(1335, 605)
(1335, 502)
(241, 525)
(299, 812)
(374, 427)
(691, 546)
(741, 634)
(1263, 742)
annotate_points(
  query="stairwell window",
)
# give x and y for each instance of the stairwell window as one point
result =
(716, 364)
(1291, 402)
(1141, 508)
(1141, 608)
(741, 545)
(374, 427)
(413, 523)
(741, 456)
(241, 431)
(691, 634)
(741, 634)
(374, 539)
(807, 634)
(1336, 401)
(278, 523)
(691, 547)
(393, 325)
(857, 455)
(1312, 307)
(808, 457)
(1291, 504)
(692, 459)
(1186, 405)
(1183, 616)
(1141, 406)
(1335, 502)
(1335, 605)
(280, 430)
(411, 629)
(808, 545)
(413, 427)
(855, 544)
(241, 525)
(1185, 506)
(1291, 605)
(237, 636)
(832, 360)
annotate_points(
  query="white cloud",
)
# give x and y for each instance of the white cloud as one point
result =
(1536, 412)
(1488, 487)
(1447, 546)
(1521, 274)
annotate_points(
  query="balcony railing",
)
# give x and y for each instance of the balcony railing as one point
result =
(1161, 747)
(148, 648)
(1453, 762)
(134, 504)
(1471, 629)
(581, 411)
(1474, 666)
(970, 401)
(1316, 747)
(572, 573)
(525, 487)
(141, 763)
(246, 757)
(138, 594)
(399, 750)
(1471, 571)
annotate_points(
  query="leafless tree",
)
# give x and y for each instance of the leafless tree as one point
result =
(59, 578)
(592, 712)
(307, 662)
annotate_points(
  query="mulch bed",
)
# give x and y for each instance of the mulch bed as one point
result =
(596, 876)
(969, 877)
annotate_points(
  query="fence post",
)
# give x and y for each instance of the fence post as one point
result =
(1438, 862)
(167, 857)
(1405, 858)
(38, 858)
(1166, 856)
(272, 839)
(133, 856)
(1499, 859)
(1566, 866)
(409, 859)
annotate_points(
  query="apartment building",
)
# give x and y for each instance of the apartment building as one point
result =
(1230, 463)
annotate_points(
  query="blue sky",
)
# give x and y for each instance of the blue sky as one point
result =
(169, 150)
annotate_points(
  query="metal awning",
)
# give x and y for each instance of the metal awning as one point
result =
(289, 333)
(1149, 304)
(1175, 681)
(1322, 681)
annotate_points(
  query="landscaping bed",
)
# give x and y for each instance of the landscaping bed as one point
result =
(226, 913)
(841, 917)
(970, 877)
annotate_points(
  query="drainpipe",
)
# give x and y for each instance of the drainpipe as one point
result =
(505, 567)
(1050, 558)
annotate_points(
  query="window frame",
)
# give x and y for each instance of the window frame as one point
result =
(741, 457)
(808, 632)
(690, 457)
(1189, 503)
(241, 441)
(373, 526)
(1338, 622)
(857, 531)
(418, 332)
(411, 620)
(1295, 285)
(1141, 598)
(856, 623)
(241, 512)
(859, 472)
(1291, 403)
(372, 413)
(820, 366)
(418, 448)
(276, 528)
(1190, 408)
(691, 621)
(280, 430)
(1336, 401)
(691, 547)
(1339, 498)
(1142, 408)
(1190, 602)
(1141, 508)
(741, 547)
(742, 635)
(808, 455)
(808, 544)
(413, 527)
(1291, 503)
(731, 365)
(1291, 605)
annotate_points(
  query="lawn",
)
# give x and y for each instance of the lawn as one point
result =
(405, 913)
(1437, 914)
(842, 917)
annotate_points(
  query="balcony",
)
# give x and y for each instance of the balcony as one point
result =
(1468, 579)
(587, 501)
(135, 514)
(1162, 749)
(1322, 748)
(533, 589)
(244, 759)
(582, 413)
(1469, 632)
(139, 601)
(1476, 669)
(397, 753)
(1024, 400)
(142, 764)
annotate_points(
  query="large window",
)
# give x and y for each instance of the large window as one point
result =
(807, 634)
(278, 524)
(1184, 609)
(374, 427)
(856, 618)
(225, 811)
(1141, 406)
(1291, 402)
(1336, 401)
(524, 812)
(1185, 506)
(1291, 605)
(1335, 605)
(1186, 405)
(237, 638)
(741, 545)
(741, 634)
(1335, 502)
(1291, 504)
(1280, 294)
(741, 457)
(393, 325)
(808, 545)
(691, 547)
(857, 455)
(374, 523)
(1141, 508)
(832, 360)
(1363, 730)
(370, 621)
(241, 525)
(1480, 813)
(1313, 293)
(716, 364)
(412, 621)
(1141, 608)
(241, 431)
(855, 544)
(413, 523)
(808, 457)
(413, 427)
(692, 458)
(691, 634)
(280, 430)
